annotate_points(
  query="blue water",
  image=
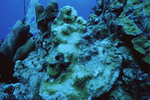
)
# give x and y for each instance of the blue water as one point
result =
(12, 10)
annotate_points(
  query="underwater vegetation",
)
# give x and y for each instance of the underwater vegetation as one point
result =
(106, 57)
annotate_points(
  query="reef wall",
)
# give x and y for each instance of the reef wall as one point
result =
(105, 57)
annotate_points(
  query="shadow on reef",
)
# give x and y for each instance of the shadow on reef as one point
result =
(137, 55)
(6, 70)
(17, 45)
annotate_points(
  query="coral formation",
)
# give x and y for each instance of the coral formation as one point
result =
(142, 45)
(104, 58)
(129, 26)
(66, 35)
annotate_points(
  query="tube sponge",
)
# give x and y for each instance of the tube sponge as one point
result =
(51, 10)
(16, 38)
(39, 10)
(24, 50)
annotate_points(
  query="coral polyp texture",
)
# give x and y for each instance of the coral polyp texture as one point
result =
(106, 57)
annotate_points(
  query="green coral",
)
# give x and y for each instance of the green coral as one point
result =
(70, 82)
(147, 7)
(129, 26)
(67, 29)
(91, 17)
(134, 2)
(116, 3)
(68, 14)
(50, 59)
(52, 71)
(61, 84)
(147, 58)
(137, 12)
(140, 44)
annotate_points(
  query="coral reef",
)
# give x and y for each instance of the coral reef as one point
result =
(106, 57)
(142, 45)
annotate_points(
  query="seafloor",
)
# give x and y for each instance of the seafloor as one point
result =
(57, 55)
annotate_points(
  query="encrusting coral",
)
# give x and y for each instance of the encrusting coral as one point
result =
(142, 45)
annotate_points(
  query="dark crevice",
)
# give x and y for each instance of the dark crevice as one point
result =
(6, 70)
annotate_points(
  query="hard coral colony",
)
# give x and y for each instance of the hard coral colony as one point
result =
(105, 57)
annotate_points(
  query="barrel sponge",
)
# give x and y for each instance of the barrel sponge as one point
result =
(43, 17)
(24, 50)
(39, 10)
